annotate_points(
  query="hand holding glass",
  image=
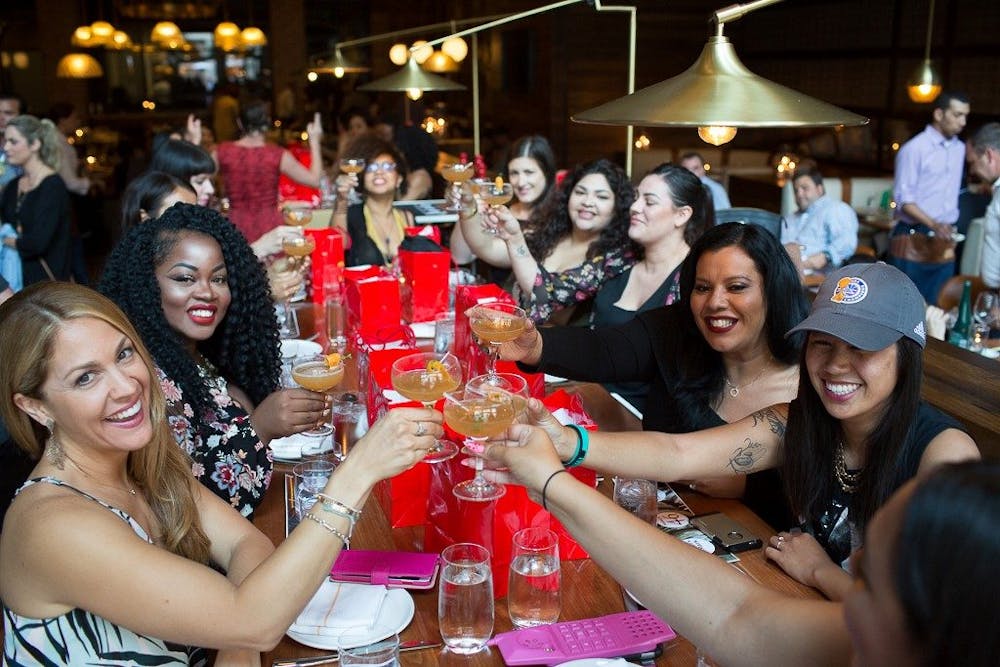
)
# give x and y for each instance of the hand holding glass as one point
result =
(456, 174)
(495, 324)
(426, 377)
(317, 373)
(479, 417)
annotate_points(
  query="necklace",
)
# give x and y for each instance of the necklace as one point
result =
(850, 482)
(734, 390)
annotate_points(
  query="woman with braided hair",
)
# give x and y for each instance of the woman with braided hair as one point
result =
(196, 293)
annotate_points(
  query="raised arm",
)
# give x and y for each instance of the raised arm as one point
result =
(294, 169)
(487, 247)
(716, 607)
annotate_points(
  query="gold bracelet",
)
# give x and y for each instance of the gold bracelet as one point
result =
(346, 539)
(334, 506)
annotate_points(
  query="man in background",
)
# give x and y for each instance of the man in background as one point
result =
(695, 163)
(827, 229)
(984, 161)
(928, 178)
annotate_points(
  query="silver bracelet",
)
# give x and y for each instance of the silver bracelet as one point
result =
(334, 506)
(346, 539)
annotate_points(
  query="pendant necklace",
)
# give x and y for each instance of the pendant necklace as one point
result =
(734, 390)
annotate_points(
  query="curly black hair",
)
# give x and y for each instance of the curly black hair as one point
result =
(554, 223)
(244, 348)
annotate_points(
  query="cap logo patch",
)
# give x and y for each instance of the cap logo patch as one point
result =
(850, 290)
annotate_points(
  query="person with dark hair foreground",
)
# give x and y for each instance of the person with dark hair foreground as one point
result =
(856, 432)
(106, 551)
(922, 594)
(567, 253)
(199, 299)
(715, 358)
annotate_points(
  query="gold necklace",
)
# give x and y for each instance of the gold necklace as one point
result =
(734, 390)
(850, 482)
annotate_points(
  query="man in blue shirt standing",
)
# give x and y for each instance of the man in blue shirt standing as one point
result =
(827, 229)
(928, 178)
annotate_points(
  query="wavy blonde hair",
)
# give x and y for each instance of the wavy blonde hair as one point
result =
(31, 320)
(45, 133)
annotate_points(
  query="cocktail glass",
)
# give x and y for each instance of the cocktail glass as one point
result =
(509, 383)
(352, 165)
(426, 377)
(318, 373)
(479, 417)
(456, 174)
(495, 324)
(297, 216)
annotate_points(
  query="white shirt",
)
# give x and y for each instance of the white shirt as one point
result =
(720, 199)
(991, 240)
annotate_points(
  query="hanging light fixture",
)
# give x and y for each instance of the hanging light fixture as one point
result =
(227, 36)
(440, 62)
(83, 36)
(421, 52)
(164, 31)
(253, 36)
(924, 85)
(455, 47)
(78, 66)
(399, 54)
(718, 94)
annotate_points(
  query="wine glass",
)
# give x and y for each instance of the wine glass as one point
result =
(494, 193)
(297, 215)
(495, 324)
(479, 417)
(353, 165)
(509, 383)
(425, 377)
(319, 373)
(985, 314)
(456, 174)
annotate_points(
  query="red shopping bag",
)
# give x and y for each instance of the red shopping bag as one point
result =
(327, 261)
(372, 304)
(432, 232)
(424, 289)
(493, 524)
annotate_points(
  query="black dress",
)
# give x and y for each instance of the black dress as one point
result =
(42, 217)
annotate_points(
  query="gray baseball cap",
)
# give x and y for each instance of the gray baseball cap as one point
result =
(870, 306)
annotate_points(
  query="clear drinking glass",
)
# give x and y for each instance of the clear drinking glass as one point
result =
(465, 598)
(479, 417)
(533, 591)
(495, 324)
(637, 496)
(356, 648)
(310, 478)
(427, 377)
(444, 332)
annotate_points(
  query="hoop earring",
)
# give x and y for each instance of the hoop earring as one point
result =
(53, 448)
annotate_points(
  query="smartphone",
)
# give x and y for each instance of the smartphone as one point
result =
(726, 532)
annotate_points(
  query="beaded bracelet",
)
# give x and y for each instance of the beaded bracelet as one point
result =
(545, 487)
(334, 506)
(582, 446)
(346, 539)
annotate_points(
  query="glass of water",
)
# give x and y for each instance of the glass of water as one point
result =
(533, 593)
(310, 478)
(356, 648)
(465, 598)
(637, 496)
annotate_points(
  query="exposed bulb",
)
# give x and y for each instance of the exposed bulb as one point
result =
(716, 134)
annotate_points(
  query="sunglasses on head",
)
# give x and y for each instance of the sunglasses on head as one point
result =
(372, 167)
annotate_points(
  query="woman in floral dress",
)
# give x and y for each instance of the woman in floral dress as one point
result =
(190, 283)
(565, 257)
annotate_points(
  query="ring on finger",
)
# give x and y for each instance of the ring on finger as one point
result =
(781, 538)
(420, 429)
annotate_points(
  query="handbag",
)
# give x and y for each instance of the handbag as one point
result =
(920, 243)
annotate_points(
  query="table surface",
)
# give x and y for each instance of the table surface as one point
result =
(587, 590)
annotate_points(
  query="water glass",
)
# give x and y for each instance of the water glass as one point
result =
(444, 332)
(637, 496)
(533, 593)
(310, 478)
(355, 648)
(465, 598)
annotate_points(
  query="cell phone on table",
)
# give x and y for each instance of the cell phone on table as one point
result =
(726, 532)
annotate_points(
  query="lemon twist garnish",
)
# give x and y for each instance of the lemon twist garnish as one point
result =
(333, 360)
(498, 183)
(438, 367)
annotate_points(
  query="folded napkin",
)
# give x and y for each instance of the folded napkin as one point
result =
(422, 329)
(338, 607)
(299, 445)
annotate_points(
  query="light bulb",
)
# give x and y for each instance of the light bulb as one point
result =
(716, 134)
(338, 72)
(399, 54)
(414, 93)
(423, 53)
(456, 48)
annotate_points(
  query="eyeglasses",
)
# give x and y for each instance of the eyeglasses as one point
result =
(372, 167)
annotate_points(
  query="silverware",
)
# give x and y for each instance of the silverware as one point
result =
(412, 645)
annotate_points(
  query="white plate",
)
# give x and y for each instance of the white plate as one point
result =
(292, 448)
(597, 662)
(396, 613)
(295, 347)
(422, 329)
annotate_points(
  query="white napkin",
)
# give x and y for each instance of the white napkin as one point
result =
(423, 329)
(338, 607)
(298, 445)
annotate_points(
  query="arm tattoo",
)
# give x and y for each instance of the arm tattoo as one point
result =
(521, 251)
(774, 421)
(745, 458)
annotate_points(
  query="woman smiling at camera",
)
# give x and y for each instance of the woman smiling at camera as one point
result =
(857, 431)
(196, 293)
(105, 551)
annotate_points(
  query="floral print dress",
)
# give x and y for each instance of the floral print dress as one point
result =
(226, 455)
(555, 291)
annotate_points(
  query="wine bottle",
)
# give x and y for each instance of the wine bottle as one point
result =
(959, 334)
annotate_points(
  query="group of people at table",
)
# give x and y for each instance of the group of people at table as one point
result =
(168, 374)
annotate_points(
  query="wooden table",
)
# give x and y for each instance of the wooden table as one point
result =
(587, 590)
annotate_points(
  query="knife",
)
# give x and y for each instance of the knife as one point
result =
(412, 645)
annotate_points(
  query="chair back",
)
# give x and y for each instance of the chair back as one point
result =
(751, 216)
(951, 292)
(972, 251)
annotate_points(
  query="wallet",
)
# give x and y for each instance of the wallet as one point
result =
(392, 569)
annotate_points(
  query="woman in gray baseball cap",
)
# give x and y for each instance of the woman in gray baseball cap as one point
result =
(856, 432)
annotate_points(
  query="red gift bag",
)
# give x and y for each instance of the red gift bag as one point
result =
(372, 304)
(424, 289)
(431, 232)
(493, 524)
(327, 261)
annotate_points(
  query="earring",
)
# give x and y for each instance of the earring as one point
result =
(53, 449)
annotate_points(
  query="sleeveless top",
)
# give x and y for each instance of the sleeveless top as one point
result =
(79, 637)
(251, 179)
(365, 248)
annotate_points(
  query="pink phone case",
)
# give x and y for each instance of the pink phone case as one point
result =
(393, 569)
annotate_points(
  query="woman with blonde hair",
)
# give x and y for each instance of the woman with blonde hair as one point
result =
(78, 389)
(37, 204)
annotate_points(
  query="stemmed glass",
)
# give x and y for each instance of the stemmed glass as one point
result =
(352, 165)
(479, 417)
(509, 383)
(456, 174)
(319, 373)
(426, 377)
(986, 314)
(492, 194)
(495, 324)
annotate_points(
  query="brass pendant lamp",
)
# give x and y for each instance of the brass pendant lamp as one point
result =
(924, 84)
